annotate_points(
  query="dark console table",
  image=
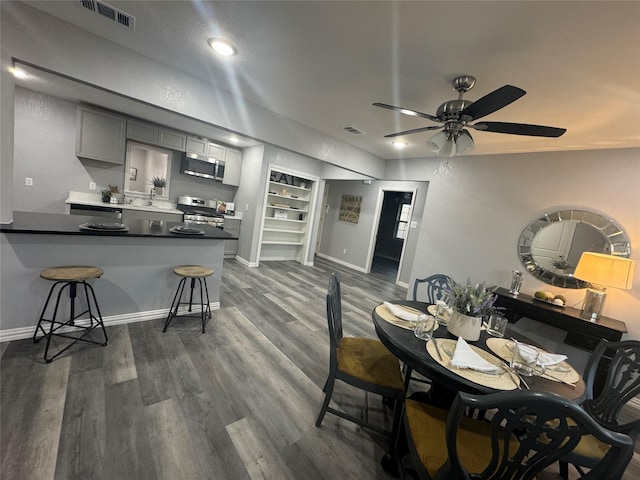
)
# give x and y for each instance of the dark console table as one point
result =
(581, 333)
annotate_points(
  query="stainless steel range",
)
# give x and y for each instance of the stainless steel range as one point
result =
(200, 211)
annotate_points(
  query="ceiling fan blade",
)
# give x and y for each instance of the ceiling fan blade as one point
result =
(519, 129)
(406, 111)
(415, 130)
(491, 102)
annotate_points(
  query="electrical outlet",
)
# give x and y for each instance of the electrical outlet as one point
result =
(344, 252)
(28, 181)
(92, 185)
(246, 207)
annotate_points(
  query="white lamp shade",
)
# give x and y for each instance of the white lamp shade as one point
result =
(605, 270)
(448, 149)
(464, 142)
(436, 142)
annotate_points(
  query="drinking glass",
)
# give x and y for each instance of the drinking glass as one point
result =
(526, 360)
(516, 282)
(497, 325)
(442, 315)
(424, 327)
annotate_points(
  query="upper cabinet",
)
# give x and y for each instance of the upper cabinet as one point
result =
(156, 135)
(233, 167)
(100, 135)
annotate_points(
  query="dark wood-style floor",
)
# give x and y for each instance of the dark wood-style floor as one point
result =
(238, 402)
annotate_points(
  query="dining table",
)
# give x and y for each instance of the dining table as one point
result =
(446, 381)
(421, 356)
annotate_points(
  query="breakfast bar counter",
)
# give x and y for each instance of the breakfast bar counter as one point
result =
(138, 280)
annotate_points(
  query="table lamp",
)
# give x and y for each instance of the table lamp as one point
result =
(601, 271)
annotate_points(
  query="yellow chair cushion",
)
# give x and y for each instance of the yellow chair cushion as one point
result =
(589, 446)
(369, 360)
(427, 426)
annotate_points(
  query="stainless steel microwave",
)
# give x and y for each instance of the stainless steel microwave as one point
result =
(204, 167)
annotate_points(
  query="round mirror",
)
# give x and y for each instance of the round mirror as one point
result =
(550, 246)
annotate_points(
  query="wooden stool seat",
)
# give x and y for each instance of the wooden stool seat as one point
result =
(70, 278)
(193, 271)
(71, 274)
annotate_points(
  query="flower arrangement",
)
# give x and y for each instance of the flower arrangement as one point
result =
(159, 182)
(474, 301)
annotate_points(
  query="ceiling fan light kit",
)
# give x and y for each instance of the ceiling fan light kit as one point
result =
(456, 115)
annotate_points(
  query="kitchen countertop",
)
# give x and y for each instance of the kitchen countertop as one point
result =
(128, 206)
(61, 224)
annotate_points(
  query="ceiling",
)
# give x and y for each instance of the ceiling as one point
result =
(324, 63)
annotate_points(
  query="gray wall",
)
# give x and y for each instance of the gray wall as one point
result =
(476, 210)
(45, 136)
(338, 235)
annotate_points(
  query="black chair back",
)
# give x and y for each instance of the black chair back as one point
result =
(619, 364)
(435, 287)
(530, 431)
(334, 311)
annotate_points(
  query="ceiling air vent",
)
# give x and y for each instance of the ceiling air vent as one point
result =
(354, 131)
(110, 12)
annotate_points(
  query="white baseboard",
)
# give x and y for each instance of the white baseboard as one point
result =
(341, 262)
(21, 333)
(246, 263)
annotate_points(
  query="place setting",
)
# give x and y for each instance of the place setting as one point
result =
(401, 316)
(529, 360)
(473, 363)
(104, 227)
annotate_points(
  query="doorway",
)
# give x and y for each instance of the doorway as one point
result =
(393, 227)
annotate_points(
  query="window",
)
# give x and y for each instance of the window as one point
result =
(402, 221)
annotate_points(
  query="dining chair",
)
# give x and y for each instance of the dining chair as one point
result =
(612, 378)
(364, 363)
(526, 432)
(435, 287)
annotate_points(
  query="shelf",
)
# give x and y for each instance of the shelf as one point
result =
(288, 208)
(280, 242)
(285, 219)
(284, 185)
(279, 230)
(288, 197)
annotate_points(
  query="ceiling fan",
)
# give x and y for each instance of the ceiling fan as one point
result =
(455, 116)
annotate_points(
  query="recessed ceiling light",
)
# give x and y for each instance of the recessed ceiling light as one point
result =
(233, 139)
(18, 73)
(399, 144)
(222, 47)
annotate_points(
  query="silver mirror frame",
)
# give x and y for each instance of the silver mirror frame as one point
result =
(614, 235)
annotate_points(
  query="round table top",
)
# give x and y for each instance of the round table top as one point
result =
(412, 351)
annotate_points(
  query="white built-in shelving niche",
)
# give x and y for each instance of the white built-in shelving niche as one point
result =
(284, 234)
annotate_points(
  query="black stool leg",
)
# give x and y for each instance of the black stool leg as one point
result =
(173, 310)
(44, 309)
(92, 317)
(193, 283)
(53, 321)
(205, 311)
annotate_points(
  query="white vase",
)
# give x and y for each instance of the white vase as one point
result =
(465, 326)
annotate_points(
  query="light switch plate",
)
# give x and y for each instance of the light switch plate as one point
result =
(28, 181)
(92, 185)
(414, 224)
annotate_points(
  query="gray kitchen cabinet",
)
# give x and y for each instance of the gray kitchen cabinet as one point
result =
(100, 135)
(216, 151)
(131, 214)
(171, 139)
(233, 166)
(197, 146)
(156, 135)
(232, 226)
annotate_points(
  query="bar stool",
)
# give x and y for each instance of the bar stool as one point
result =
(69, 277)
(193, 272)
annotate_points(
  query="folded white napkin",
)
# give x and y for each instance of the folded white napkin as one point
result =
(401, 312)
(465, 357)
(546, 358)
